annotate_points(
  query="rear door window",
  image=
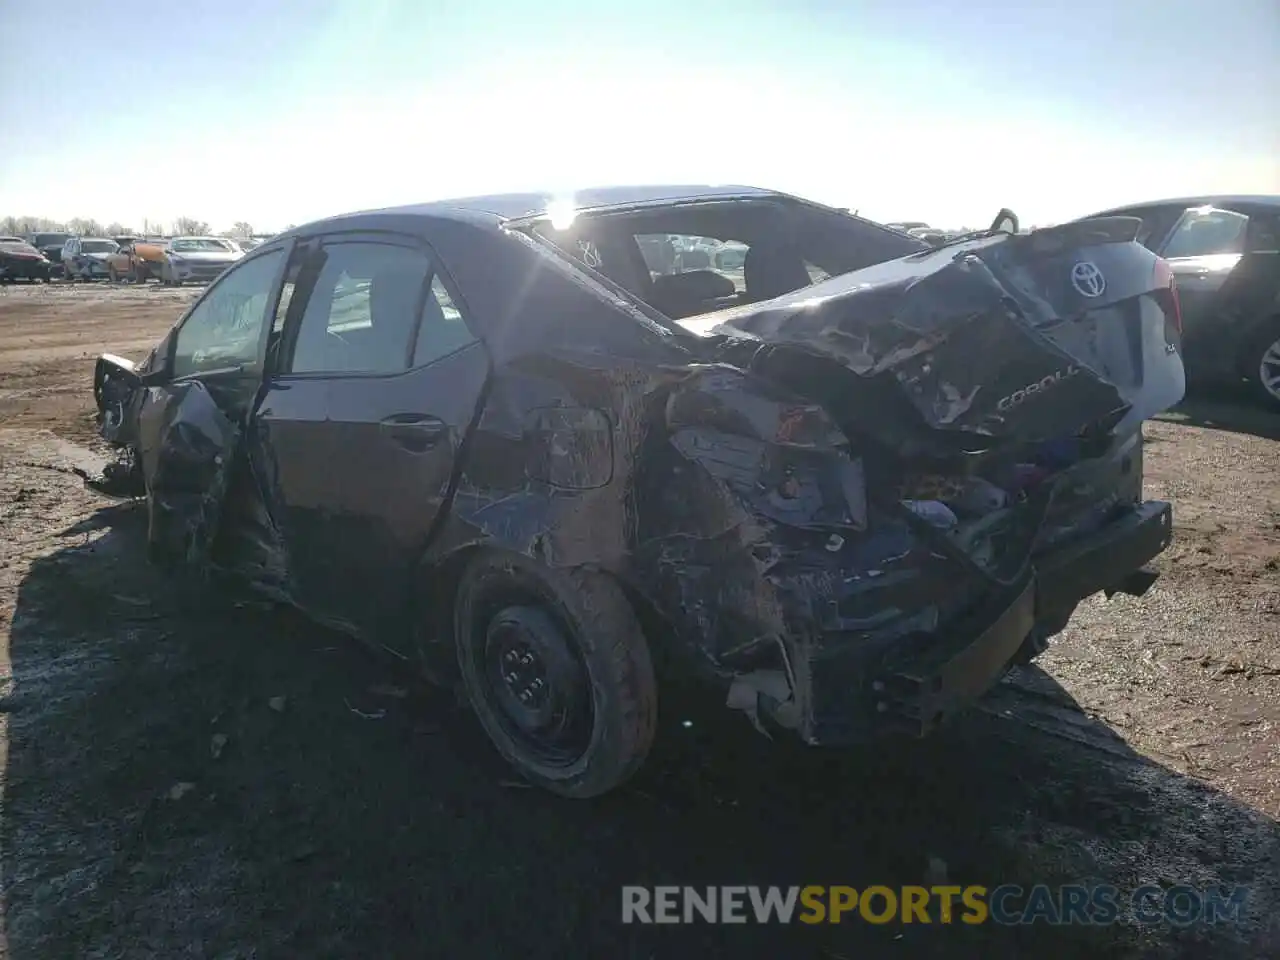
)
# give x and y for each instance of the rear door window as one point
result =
(1206, 231)
(363, 309)
(442, 330)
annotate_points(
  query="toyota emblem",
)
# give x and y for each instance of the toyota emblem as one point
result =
(1088, 279)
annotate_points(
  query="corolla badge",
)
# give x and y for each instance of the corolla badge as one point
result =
(1088, 279)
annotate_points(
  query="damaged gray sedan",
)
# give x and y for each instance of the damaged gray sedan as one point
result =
(846, 478)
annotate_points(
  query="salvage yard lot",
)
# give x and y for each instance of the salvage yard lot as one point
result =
(189, 774)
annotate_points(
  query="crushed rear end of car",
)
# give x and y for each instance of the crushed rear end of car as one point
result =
(886, 488)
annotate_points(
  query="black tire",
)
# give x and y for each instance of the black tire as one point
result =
(1264, 345)
(592, 674)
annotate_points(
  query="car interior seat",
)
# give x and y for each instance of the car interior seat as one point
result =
(770, 271)
(693, 292)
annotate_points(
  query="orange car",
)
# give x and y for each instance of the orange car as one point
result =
(137, 259)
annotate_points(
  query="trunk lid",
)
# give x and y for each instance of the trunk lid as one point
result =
(993, 388)
(1002, 338)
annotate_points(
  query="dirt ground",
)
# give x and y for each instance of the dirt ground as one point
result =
(206, 776)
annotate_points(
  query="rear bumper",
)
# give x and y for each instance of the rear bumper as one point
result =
(923, 680)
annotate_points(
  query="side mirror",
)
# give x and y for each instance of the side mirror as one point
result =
(1006, 221)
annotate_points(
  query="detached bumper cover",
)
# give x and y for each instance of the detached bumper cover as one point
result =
(920, 684)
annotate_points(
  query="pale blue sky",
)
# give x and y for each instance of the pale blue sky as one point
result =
(279, 111)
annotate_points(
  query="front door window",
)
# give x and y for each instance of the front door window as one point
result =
(223, 331)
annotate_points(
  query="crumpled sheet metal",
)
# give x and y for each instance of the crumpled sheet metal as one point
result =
(186, 446)
(119, 479)
(746, 592)
(949, 333)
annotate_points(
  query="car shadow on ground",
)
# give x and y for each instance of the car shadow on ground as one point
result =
(1226, 409)
(191, 775)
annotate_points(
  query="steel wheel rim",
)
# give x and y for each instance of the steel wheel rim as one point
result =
(1269, 370)
(537, 685)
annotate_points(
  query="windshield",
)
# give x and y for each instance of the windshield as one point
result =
(97, 246)
(206, 244)
(51, 239)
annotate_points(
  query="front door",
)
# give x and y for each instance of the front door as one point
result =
(385, 343)
(190, 426)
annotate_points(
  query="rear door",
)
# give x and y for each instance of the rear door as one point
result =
(383, 338)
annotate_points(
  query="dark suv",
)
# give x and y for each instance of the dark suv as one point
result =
(50, 244)
(1225, 253)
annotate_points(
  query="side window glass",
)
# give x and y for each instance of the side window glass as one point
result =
(1206, 231)
(363, 310)
(224, 328)
(442, 330)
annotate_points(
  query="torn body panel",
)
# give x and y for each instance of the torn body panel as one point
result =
(988, 339)
(185, 448)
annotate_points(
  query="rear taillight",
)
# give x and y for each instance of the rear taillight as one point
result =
(1166, 287)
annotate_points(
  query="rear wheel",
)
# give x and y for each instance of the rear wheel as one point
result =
(1262, 364)
(557, 671)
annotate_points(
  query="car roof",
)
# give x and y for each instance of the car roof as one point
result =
(1209, 200)
(494, 209)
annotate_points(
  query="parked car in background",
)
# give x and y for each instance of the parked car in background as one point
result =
(247, 243)
(50, 244)
(1225, 255)
(491, 439)
(19, 260)
(197, 258)
(932, 236)
(85, 258)
(136, 259)
(906, 226)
